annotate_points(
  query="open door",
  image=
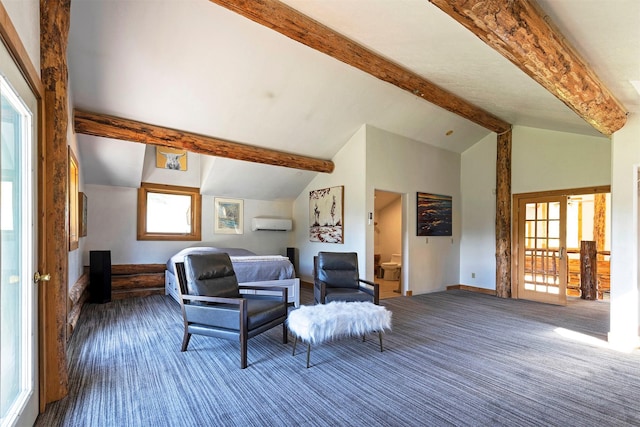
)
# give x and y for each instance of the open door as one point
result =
(18, 260)
(542, 260)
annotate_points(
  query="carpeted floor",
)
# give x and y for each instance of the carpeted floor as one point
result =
(453, 358)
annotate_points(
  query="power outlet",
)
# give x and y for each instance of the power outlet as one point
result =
(473, 275)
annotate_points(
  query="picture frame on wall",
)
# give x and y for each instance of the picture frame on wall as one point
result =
(82, 209)
(434, 214)
(326, 212)
(228, 217)
(171, 158)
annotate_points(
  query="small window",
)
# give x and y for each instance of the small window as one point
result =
(167, 212)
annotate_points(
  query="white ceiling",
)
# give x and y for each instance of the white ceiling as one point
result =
(195, 66)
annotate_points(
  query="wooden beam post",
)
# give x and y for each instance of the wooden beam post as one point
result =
(523, 34)
(503, 216)
(54, 31)
(289, 22)
(130, 130)
(599, 221)
(588, 270)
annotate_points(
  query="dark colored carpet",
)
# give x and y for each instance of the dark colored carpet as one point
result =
(452, 358)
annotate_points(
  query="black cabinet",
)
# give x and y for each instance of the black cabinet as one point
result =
(100, 276)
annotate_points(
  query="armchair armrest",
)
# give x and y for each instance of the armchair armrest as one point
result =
(284, 292)
(371, 288)
(221, 300)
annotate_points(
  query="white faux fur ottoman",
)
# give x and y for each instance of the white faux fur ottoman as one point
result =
(315, 324)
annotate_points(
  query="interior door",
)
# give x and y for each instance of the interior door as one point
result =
(542, 260)
(18, 296)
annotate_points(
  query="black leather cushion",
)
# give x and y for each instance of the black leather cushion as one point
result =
(338, 270)
(211, 275)
(345, 294)
(263, 311)
(226, 316)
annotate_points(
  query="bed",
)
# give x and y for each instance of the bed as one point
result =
(251, 270)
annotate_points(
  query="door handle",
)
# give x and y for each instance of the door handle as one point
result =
(37, 277)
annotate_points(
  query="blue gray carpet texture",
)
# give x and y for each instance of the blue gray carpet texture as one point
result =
(453, 358)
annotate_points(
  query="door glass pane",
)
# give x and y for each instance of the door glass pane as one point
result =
(530, 211)
(541, 210)
(554, 229)
(16, 326)
(541, 261)
(541, 229)
(554, 210)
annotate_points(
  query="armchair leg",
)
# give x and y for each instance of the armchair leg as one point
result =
(285, 335)
(243, 352)
(185, 341)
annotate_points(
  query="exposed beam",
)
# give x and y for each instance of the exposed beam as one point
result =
(521, 32)
(55, 18)
(287, 21)
(130, 130)
(503, 215)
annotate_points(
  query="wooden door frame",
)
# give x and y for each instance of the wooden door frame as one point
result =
(515, 203)
(10, 38)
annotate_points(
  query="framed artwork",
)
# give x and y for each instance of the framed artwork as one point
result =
(326, 215)
(73, 204)
(228, 216)
(82, 211)
(434, 215)
(171, 158)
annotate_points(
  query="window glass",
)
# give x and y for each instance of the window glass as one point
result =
(167, 212)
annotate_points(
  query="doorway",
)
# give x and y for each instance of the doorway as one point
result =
(549, 230)
(387, 242)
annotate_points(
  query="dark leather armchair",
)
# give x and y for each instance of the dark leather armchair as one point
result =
(336, 278)
(212, 304)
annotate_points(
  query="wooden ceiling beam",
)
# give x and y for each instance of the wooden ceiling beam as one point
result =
(287, 21)
(522, 33)
(105, 126)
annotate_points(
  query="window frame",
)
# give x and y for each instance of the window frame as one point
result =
(196, 213)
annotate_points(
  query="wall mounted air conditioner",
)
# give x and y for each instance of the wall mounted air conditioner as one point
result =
(273, 224)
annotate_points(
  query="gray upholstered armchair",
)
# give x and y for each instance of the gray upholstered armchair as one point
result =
(212, 304)
(336, 278)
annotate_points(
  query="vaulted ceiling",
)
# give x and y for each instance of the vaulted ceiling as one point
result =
(196, 66)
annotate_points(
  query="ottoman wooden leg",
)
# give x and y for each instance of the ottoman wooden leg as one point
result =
(308, 353)
(380, 335)
(295, 341)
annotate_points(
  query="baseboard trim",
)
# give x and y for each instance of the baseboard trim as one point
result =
(472, 289)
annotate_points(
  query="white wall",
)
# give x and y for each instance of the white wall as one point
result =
(25, 17)
(112, 226)
(478, 242)
(548, 160)
(402, 165)
(624, 235)
(349, 171)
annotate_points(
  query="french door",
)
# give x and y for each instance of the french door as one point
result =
(18, 296)
(542, 259)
